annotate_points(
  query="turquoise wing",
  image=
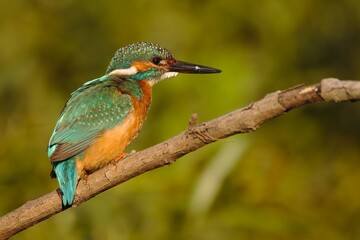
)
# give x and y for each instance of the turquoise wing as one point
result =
(91, 110)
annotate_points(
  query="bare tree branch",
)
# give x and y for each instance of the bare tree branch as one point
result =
(247, 119)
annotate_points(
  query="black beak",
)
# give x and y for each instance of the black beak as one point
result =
(184, 67)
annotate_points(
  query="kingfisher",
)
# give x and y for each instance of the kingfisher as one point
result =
(102, 117)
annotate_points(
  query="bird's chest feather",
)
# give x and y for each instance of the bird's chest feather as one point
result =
(113, 142)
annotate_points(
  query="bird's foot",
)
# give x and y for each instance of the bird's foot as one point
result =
(120, 156)
(85, 176)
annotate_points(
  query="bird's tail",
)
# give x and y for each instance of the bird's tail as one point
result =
(66, 174)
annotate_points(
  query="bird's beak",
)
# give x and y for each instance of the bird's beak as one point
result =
(184, 67)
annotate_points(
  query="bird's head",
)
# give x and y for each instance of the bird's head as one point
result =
(148, 61)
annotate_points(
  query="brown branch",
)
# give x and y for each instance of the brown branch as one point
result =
(243, 120)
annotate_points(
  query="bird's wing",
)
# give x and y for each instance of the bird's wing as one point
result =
(90, 111)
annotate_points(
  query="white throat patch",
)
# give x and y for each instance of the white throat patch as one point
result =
(164, 76)
(168, 75)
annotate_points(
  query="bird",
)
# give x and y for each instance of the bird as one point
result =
(104, 115)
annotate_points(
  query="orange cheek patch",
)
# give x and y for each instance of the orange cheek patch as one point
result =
(142, 66)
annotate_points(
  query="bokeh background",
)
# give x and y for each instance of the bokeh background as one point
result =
(297, 177)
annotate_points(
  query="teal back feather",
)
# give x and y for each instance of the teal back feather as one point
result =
(92, 109)
(66, 175)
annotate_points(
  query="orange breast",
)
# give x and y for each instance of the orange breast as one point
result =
(113, 142)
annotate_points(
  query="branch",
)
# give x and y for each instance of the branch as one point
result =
(247, 119)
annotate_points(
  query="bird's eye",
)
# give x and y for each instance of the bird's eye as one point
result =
(156, 60)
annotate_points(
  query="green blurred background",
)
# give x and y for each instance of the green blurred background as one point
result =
(297, 177)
